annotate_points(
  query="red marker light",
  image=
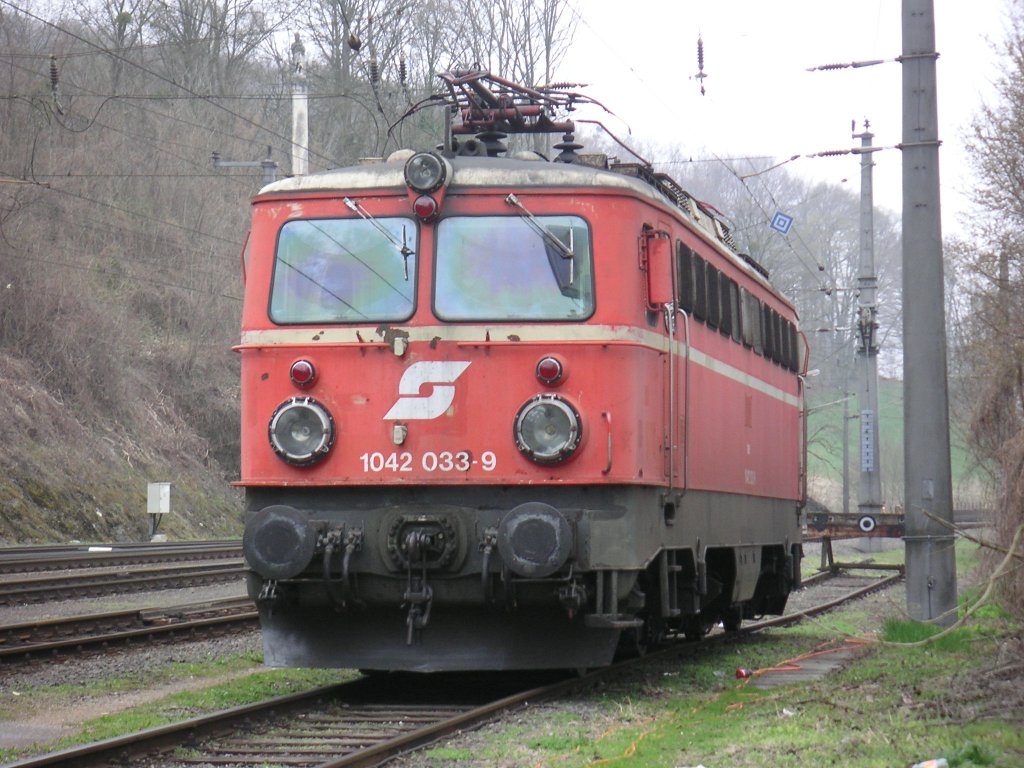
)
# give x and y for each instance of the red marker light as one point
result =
(302, 373)
(549, 370)
(425, 207)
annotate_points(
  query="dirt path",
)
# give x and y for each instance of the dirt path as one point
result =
(43, 726)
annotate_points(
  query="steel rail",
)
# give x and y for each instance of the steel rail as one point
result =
(49, 637)
(56, 558)
(798, 616)
(88, 582)
(192, 731)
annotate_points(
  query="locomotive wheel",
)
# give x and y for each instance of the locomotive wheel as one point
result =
(633, 642)
(696, 626)
(637, 641)
(732, 617)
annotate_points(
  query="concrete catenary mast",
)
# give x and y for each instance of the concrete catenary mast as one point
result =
(869, 502)
(300, 110)
(928, 487)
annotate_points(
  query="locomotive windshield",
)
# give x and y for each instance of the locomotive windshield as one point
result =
(501, 268)
(343, 271)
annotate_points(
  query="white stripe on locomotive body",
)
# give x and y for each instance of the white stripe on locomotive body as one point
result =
(499, 335)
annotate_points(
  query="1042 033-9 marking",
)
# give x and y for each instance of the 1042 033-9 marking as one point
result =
(429, 461)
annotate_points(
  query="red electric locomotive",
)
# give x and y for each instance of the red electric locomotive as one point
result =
(500, 412)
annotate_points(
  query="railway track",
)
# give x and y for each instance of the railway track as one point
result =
(37, 559)
(365, 722)
(45, 573)
(64, 637)
(95, 582)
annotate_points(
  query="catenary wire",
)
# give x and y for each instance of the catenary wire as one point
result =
(157, 75)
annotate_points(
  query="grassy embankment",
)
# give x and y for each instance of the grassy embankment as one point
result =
(825, 451)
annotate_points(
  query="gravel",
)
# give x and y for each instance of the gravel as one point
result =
(154, 599)
(32, 726)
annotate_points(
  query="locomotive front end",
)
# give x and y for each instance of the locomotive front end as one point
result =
(417, 419)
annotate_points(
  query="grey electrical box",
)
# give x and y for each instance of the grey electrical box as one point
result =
(158, 498)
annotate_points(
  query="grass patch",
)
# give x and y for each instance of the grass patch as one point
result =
(912, 632)
(448, 755)
(258, 686)
(41, 698)
(891, 709)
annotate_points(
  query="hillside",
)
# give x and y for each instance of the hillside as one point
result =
(74, 475)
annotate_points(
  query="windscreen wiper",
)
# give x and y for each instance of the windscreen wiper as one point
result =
(402, 247)
(565, 251)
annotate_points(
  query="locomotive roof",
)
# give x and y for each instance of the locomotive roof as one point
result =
(468, 172)
(521, 174)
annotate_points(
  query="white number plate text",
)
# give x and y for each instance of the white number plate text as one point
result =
(430, 461)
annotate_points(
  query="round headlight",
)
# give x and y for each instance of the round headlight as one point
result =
(301, 431)
(547, 429)
(425, 172)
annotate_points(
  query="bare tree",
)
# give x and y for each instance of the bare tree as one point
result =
(994, 345)
(207, 44)
(119, 26)
(373, 59)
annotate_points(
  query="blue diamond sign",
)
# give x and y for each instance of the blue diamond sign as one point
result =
(781, 223)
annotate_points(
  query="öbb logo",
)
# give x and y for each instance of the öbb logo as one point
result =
(411, 404)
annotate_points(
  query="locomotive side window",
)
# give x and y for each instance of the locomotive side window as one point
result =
(794, 350)
(783, 339)
(784, 342)
(734, 311)
(501, 268)
(757, 324)
(729, 324)
(714, 297)
(746, 320)
(776, 337)
(769, 342)
(786, 360)
(344, 271)
(700, 288)
(684, 273)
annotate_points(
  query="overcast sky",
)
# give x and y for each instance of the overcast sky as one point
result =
(638, 58)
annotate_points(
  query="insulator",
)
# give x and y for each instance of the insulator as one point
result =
(402, 71)
(700, 53)
(374, 71)
(53, 72)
